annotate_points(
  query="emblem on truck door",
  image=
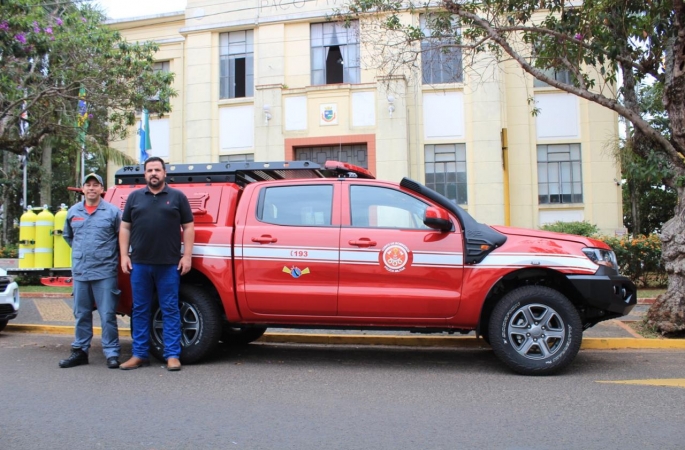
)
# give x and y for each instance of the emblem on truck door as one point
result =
(295, 271)
(395, 257)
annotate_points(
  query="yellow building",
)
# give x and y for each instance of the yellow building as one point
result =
(273, 80)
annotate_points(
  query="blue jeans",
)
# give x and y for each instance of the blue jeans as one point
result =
(165, 279)
(105, 294)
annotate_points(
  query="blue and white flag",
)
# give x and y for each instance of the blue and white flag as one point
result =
(144, 133)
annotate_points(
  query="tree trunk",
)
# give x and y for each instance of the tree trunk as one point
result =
(667, 314)
(5, 199)
(46, 178)
(634, 208)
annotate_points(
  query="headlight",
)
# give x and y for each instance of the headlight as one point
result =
(602, 257)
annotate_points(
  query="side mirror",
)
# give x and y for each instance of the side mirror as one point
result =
(437, 219)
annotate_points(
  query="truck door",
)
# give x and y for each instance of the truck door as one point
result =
(290, 253)
(392, 264)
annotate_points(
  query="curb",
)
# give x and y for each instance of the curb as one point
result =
(398, 341)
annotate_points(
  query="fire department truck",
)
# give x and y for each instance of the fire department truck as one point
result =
(304, 245)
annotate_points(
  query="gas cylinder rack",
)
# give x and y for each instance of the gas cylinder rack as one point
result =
(42, 248)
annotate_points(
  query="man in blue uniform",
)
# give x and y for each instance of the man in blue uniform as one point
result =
(151, 226)
(92, 230)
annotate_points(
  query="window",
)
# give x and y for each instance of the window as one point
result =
(162, 66)
(236, 77)
(245, 157)
(563, 76)
(353, 154)
(559, 174)
(446, 170)
(374, 207)
(297, 205)
(439, 62)
(335, 53)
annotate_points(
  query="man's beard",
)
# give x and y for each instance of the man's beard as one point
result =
(157, 180)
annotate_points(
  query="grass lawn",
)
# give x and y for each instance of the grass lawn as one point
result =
(41, 288)
(649, 292)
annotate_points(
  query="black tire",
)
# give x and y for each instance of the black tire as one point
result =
(200, 325)
(535, 330)
(3, 324)
(239, 336)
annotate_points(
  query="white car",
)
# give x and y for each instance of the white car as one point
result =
(9, 299)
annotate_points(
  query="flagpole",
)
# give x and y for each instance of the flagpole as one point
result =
(25, 158)
(83, 161)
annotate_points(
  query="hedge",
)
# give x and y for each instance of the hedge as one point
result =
(639, 258)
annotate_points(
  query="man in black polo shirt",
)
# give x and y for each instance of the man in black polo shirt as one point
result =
(152, 220)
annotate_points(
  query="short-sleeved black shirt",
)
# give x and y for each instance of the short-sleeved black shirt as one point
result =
(156, 224)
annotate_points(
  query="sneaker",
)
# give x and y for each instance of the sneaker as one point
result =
(77, 358)
(113, 362)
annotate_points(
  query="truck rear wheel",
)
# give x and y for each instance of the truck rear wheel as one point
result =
(232, 335)
(200, 325)
(535, 330)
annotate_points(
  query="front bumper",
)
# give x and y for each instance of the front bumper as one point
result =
(9, 301)
(607, 292)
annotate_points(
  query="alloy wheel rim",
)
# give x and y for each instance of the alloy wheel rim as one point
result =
(190, 324)
(536, 331)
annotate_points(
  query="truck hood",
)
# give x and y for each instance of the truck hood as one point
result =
(587, 242)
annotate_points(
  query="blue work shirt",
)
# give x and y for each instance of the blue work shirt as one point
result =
(94, 241)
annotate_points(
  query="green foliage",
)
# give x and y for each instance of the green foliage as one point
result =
(27, 280)
(8, 251)
(51, 50)
(639, 258)
(578, 228)
(655, 205)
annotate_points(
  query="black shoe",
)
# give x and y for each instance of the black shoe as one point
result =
(77, 358)
(113, 362)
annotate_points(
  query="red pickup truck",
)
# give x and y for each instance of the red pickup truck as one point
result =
(303, 245)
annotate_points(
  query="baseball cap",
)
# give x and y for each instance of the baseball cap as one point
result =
(93, 175)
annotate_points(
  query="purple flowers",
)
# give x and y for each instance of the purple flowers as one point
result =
(36, 28)
(578, 37)
(20, 37)
(84, 20)
(4, 26)
(48, 30)
(59, 22)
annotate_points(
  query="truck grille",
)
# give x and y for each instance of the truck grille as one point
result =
(4, 282)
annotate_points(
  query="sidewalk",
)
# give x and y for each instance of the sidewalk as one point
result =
(52, 313)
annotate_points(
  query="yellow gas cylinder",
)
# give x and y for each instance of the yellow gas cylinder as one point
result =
(62, 252)
(45, 224)
(27, 239)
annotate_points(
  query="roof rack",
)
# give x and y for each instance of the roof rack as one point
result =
(243, 173)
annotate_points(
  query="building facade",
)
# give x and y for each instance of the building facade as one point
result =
(273, 80)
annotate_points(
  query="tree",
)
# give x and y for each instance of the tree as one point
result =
(603, 44)
(49, 51)
(647, 202)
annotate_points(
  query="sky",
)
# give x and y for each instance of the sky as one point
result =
(119, 9)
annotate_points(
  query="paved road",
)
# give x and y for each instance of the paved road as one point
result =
(268, 396)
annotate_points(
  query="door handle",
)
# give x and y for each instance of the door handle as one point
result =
(363, 242)
(264, 239)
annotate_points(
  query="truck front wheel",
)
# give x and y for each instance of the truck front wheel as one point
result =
(200, 325)
(535, 330)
